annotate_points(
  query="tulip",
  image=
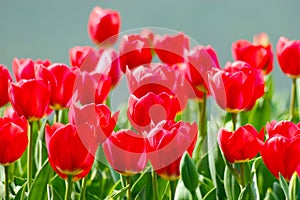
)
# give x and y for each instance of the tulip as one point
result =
(201, 60)
(126, 152)
(240, 145)
(30, 98)
(104, 26)
(284, 145)
(167, 143)
(61, 82)
(13, 139)
(91, 88)
(68, 156)
(9, 112)
(172, 49)
(84, 57)
(94, 123)
(258, 54)
(150, 109)
(236, 87)
(5, 78)
(288, 56)
(158, 78)
(25, 68)
(134, 50)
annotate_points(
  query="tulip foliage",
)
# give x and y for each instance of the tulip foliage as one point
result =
(60, 137)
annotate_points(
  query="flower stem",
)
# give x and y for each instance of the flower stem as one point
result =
(56, 116)
(234, 120)
(69, 188)
(29, 156)
(154, 185)
(194, 195)
(83, 190)
(293, 98)
(128, 182)
(172, 189)
(6, 182)
(242, 174)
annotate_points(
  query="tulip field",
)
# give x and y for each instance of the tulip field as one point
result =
(189, 129)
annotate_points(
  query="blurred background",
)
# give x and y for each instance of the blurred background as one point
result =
(48, 29)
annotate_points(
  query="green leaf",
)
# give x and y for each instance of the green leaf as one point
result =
(119, 194)
(211, 195)
(294, 187)
(232, 188)
(284, 186)
(21, 192)
(205, 184)
(188, 172)
(246, 193)
(270, 195)
(39, 186)
(201, 166)
(182, 193)
(277, 190)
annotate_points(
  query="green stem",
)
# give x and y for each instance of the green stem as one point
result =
(56, 116)
(173, 185)
(69, 188)
(234, 120)
(154, 185)
(293, 99)
(6, 182)
(202, 135)
(29, 156)
(242, 174)
(233, 172)
(194, 195)
(83, 190)
(128, 182)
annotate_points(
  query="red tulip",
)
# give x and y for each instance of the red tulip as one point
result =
(148, 110)
(61, 82)
(9, 112)
(241, 145)
(258, 54)
(288, 56)
(25, 68)
(126, 152)
(5, 78)
(236, 87)
(94, 122)
(91, 88)
(284, 145)
(13, 139)
(84, 56)
(158, 78)
(167, 142)
(172, 49)
(134, 50)
(67, 154)
(30, 98)
(104, 26)
(201, 60)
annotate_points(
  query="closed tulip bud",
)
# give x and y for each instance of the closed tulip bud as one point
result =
(68, 156)
(241, 145)
(288, 56)
(104, 26)
(30, 98)
(13, 139)
(5, 78)
(125, 151)
(284, 145)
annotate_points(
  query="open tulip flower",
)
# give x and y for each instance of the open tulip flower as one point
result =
(13, 139)
(94, 122)
(280, 152)
(5, 78)
(172, 49)
(288, 56)
(125, 151)
(30, 98)
(134, 50)
(167, 142)
(68, 156)
(241, 145)
(236, 87)
(258, 54)
(104, 26)
(24, 68)
(148, 110)
(84, 55)
(61, 81)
